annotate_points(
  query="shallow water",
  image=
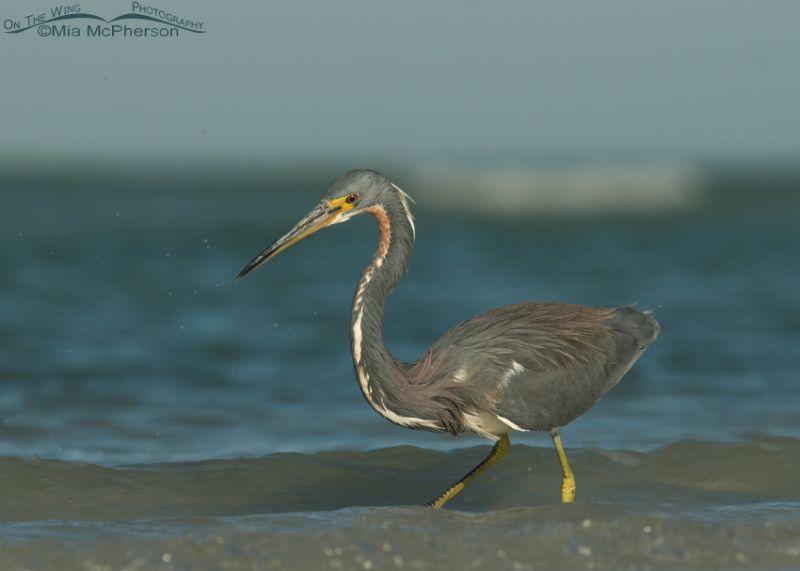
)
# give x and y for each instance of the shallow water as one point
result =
(688, 505)
(146, 397)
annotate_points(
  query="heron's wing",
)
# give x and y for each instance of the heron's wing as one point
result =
(539, 365)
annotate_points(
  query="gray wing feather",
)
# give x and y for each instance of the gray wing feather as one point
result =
(539, 365)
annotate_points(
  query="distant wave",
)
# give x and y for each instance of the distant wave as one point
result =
(572, 190)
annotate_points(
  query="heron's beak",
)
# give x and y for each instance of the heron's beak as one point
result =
(326, 213)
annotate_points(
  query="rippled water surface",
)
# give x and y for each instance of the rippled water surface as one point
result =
(157, 414)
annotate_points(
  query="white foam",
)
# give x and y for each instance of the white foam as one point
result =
(595, 188)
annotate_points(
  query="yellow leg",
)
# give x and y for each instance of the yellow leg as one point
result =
(568, 483)
(499, 450)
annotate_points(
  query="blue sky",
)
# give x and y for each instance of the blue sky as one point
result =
(411, 80)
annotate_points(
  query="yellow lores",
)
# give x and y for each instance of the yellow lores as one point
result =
(343, 203)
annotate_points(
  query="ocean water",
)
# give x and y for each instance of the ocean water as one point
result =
(157, 414)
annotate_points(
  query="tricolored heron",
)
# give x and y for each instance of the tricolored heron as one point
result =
(530, 366)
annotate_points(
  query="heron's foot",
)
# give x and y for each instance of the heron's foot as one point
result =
(437, 503)
(449, 493)
(568, 490)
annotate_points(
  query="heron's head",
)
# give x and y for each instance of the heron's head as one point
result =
(354, 193)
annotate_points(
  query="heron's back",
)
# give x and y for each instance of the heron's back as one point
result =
(540, 365)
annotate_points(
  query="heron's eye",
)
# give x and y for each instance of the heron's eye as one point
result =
(351, 198)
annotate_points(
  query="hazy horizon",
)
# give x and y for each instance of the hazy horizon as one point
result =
(412, 81)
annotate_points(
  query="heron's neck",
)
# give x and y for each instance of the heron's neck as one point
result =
(375, 365)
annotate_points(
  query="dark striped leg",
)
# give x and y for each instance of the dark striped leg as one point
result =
(499, 450)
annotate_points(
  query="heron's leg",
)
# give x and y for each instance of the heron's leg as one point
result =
(499, 450)
(568, 483)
